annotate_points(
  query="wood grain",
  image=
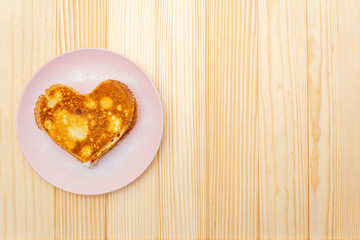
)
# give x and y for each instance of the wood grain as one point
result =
(334, 104)
(27, 41)
(283, 120)
(168, 34)
(133, 212)
(80, 24)
(261, 107)
(232, 119)
(182, 165)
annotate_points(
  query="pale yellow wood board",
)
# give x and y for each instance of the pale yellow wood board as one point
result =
(232, 120)
(283, 120)
(27, 32)
(168, 34)
(160, 39)
(334, 109)
(261, 110)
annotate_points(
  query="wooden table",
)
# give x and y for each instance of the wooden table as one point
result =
(262, 119)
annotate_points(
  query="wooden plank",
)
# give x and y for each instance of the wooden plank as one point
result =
(27, 41)
(232, 119)
(283, 120)
(167, 42)
(334, 108)
(80, 24)
(133, 212)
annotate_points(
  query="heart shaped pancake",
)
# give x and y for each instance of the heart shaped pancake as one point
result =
(87, 125)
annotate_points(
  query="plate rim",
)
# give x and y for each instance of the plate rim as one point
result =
(146, 166)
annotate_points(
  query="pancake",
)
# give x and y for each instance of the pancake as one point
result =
(87, 125)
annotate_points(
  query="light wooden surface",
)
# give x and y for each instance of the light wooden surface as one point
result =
(262, 119)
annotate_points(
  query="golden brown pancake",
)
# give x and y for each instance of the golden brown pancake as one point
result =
(87, 125)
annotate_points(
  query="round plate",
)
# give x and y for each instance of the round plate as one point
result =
(83, 70)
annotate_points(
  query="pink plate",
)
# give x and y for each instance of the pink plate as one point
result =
(83, 70)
